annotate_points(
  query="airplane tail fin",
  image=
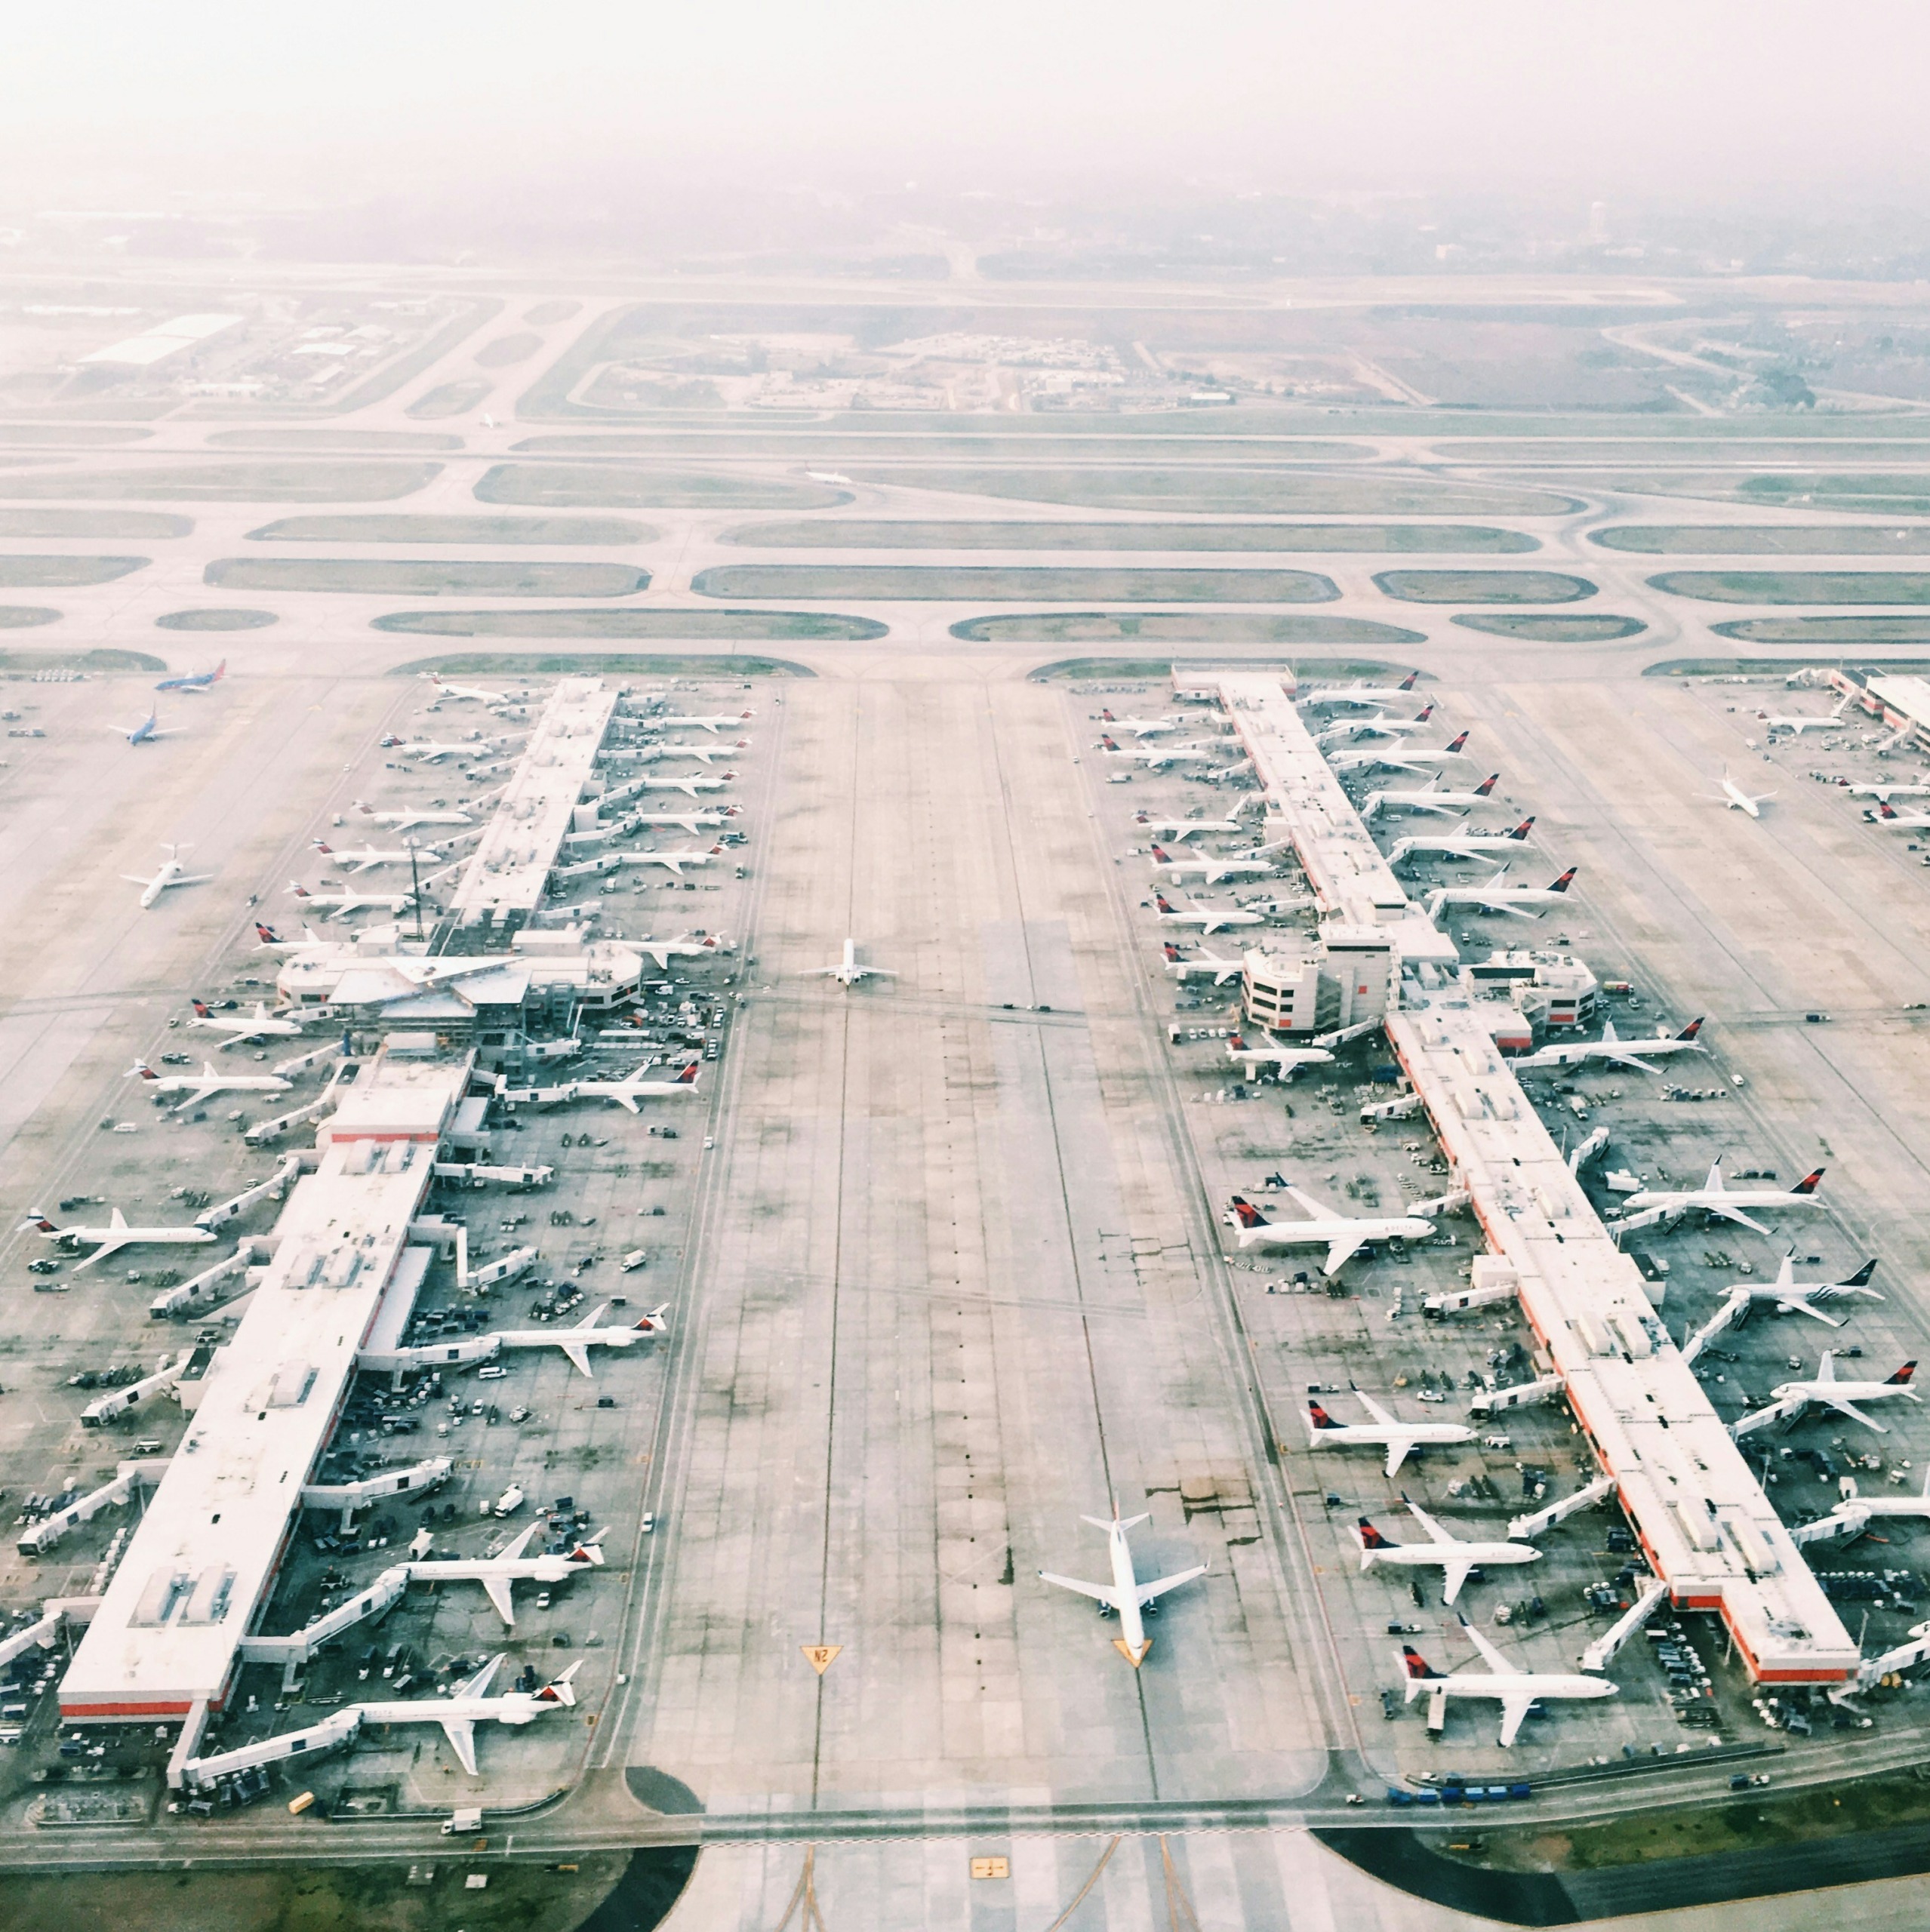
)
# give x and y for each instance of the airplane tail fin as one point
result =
(1318, 1417)
(1407, 683)
(1524, 829)
(561, 1689)
(1250, 1216)
(1689, 1032)
(1159, 899)
(1566, 880)
(688, 1077)
(1901, 1378)
(1417, 1669)
(1456, 744)
(1886, 810)
(267, 934)
(1371, 1540)
(1162, 856)
(1860, 1279)
(39, 1222)
(201, 1010)
(1809, 1182)
(1107, 739)
(1173, 956)
(1426, 712)
(140, 1069)
(1488, 785)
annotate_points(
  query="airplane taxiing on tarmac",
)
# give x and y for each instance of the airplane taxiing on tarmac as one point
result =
(145, 733)
(1125, 1597)
(1738, 800)
(848, 972)
(172, 873)
(194, 682)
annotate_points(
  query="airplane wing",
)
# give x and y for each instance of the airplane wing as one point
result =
(1339, 1251)
(1513, 1709)
(1453, 1575)
(1731, 1214)
(576, 1352)
(1374, 1408)
(1848, 1408)
(1399, 1447)
(625, 1099)
(1799, 1305)
(1435, 1532)
(497, 1590)
(478, 1684)
(1147, 1591)
(1100, 1592)
(461, 1734)
(1631, 1059)
(1493, 1658)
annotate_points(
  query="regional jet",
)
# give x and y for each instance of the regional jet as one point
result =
(194, 681)
(145, 733)
(197, 1087)
(499, 1573)
(1526, 902)
(1140, 727)
(467, 1705)
(1612, 1050)
(1843, 1397)
(674, 862)
(1212, 871)
(1210, 919)
(1180, 967)
(1400, 1439)
(1738, 800)
(1462, 845)
(682, 947)
(1432, 797)
(1342, 1236)
(172, 873)
(1516, 1690)
(242, 1031)
(716, 723)
(576, 1342)
(340, 905)
(1442, 1549)
(1125, 1597)
(405, 821)
(116, 1235)
(1284, 1060)
(848, 972)
(1651, 1204)
(369, 856)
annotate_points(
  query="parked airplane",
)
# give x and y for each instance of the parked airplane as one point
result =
(240, 1030)
(1180, 967)
(1651, 1204)
(1125, 1597)
(1140, 727)
(706, 753)
(1432, 797)
(1514, 1689)
(1859, 1510)
(194, 1088)
(1462, 845)
(1185, 827)
(145, 733)
(690, 787)
(627, 1093)
(499, 1573)
(116, 1235)
(1359, 692)
(1158, 758)
(1738, 800)
(848, 972)
(275, 942)
(683, 947)
(340, 905)
(1790, 1296)
(1210, 919)
(576, 1342)
(474, 692)
(1416, 758)
(716, 723)
(1380, 725)
(1526, 902)
(1400, 1439)
(405, 821)
(430, 752)
(1212, 871)
(1283, 1061)
(467, 1706)
(1613, 1050)
(1888, 816)
(692, 822)
(1886, 792)
(172, 873)
(1342, 1236)
(1813, 722)
(1842, 1396)
(674, 862)
(369, 856)
(194, 681)
(1453, 1556)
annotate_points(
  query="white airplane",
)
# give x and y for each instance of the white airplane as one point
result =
(403, 821)
(340, 905)
(1888, 816)
(197, 1087)
(577, 1341)
(1738, 800)
(194, 682)
(272, 942)
(626, 1093)
(1514, 1689)
(467, 1706)
(1886, 792)
(1813, 722)
(716, 723)
(1184, 827)
(1843, 1397)
(498, 1573)
(1283, 1061)
(1400, 1439)
(1611, 1049)
(1651, 1204)
(430, 752)
(1416, 758)
(674, 862)
(1210, 871)
(830, 476)
(1453, 1556)
(848, 972)
(665, 950)
(172, 873)
(706, 753)
(116, 1235)
(1360, 693)
(242, 1031)
(145, 733)
(1526, 902)
(690, 787)
(1140, 727)
(1179, 968)
(1860, 1509)
(692, 822)
(1158, 758)
(476, 693)
(1210, 919)
(1432, 797)
(1342, 1236)
(1789, 1296)
(1380, 725)
(369, 856)
(1125, 1597)
(1462, 845)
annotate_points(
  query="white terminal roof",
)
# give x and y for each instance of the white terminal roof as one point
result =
(345, 975)
(511, 865)
(199, 1569)
(165, 340)
(1908, 697)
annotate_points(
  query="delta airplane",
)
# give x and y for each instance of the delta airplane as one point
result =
(576, 1342)
(1125, 1597)
(1886, 792)
(1453, 1557)
(1284, 1060)
(1180, 967)
(1358, 693)
(1653, 1204)
(1210, 919)
(403, 821)
(1140, 727)
(1400, 1439)
(116, 1235)
(1431, 798)
(273, 941)
(848, 972)
(690, 787)
(627, 1093)
(1462, 845)
(1526, 902)
(472, 691)
(691, 823)
(1184, 827)
(704, 753)
(194, 681)
(716, 723)
(172, 873)
(1859, 1509)
(498, 1573)
(242, 1032)
(430, 752)
(1212, 871)
(1157, 760)
(1342, 1236)
(1516, 1690)
(196, 1087)
(674, 862)
(340, 905)
(369, 857)
(1887, 814)
(467, 1706)
(1416, 758)
(1738, 800)
(1843, 1397)
(1379, 726)
(682, 947)
(1613, 1050)
(1814, 721)
(145, 733)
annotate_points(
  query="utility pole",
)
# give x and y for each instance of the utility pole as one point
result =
(415, 881)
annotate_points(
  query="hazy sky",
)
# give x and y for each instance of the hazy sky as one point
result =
(1714, 99)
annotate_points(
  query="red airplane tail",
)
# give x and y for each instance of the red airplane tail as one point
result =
(267, 934)
(1523, 829)
(1566, 880)
(1407, 683)
(1172, 954)
(1159, 899)
(1371, 1538)
(1488, 785)
(1456, 744)
(1417, 1666)
(1809, 1182)
(1901, 1378)
(201, 1010)
(1106, 740)
(1689, 1032)
(1106, 717)
(1161, 856)
(1250, 1216)
(1319, 1417)
(688, 1077)
(1426, 712)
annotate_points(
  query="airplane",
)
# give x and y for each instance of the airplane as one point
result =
(498, 1574)
(1343, 1236)
(664, 950)
(1431, 798)
(1526, 902)
(1844, 1396)
(194, 681)
(1796, 726)
(145, 733)
(1791, 1297)
(172, 873)
(1210, 871)
(444, 689)
(674, 862)
(1464, 844)
(1140, 727)
(1613, 1050)
(1379, 726)
(1210, 919)
(243, 1032)
(1282, 1059)
(1400, 1439)
(116, 1235)
(1360, 693)
(369, 856)
(1859, 1509)
(1888, 815)
(340, 905)
(1159, 758)
(848, 972)
(404, 821)
(716, 723)
(1738, 800)
(466, 1707)
(273, 942)
(1652, 1204)
(1180, 967)
(692, 822)
(627, 1093)
(690, 787)
(1382, 757)
(1184, 827)
(706, 752)
(830, 476)
(577, 1341)
(1125, 1597)
(1886, 792)
(193, 1088)
(1455, 1557)
(432, 752)
(1516, 1689)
